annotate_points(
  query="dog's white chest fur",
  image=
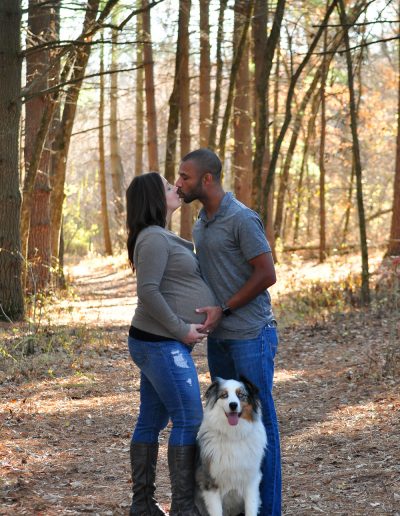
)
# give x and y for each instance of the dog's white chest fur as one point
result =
(231, 452)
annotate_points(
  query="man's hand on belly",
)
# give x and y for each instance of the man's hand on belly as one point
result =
(214, 314)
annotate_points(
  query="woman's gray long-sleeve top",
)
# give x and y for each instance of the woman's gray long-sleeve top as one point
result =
(169, 284)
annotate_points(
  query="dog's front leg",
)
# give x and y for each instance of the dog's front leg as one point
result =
(252, 498)
(213, 502)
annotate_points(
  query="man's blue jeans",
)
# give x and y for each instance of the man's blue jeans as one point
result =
(254, 359)
(169, 389)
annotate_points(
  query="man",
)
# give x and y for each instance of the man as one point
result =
(235, 260)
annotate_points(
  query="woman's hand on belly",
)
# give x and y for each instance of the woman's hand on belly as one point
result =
(195, 335)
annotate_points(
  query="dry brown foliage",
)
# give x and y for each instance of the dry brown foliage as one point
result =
(67, 413)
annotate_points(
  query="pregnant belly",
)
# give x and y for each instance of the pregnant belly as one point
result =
(193, 300)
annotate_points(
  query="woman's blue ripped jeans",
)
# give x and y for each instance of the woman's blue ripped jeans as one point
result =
(169, 389)
(254, 358)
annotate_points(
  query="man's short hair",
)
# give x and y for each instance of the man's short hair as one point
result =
(206, 161)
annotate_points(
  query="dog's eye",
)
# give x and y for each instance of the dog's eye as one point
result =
(241, 395)
(223, 395)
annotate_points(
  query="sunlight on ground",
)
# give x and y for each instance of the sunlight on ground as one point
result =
(284, 375)
(335, 268)
(111, 274)
(349, 419)
(102, 311)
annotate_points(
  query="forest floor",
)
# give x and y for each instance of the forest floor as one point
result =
(69, 402)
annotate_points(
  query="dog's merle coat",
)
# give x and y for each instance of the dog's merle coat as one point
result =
(231, 445)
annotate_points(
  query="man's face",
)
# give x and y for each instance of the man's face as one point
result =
(189, 182)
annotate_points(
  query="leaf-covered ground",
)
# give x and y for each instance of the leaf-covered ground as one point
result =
(67, 412)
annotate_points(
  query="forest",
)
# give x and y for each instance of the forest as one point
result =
(301, 102)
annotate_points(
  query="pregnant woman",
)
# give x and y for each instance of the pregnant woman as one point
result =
(164, 329)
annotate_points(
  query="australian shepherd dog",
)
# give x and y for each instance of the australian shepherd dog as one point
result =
(231, 445)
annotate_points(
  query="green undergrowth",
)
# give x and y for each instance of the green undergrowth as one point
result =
(50, 352)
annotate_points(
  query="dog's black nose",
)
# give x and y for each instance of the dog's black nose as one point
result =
(233, 405)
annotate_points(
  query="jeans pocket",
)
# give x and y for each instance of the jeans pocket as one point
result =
(139, 359)
(271, 335)
(138, 355)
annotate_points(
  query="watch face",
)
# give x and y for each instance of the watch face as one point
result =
(227, 311)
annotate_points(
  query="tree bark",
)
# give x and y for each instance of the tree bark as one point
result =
(322, 170)
(174, 108)
(41, 28)
(212, 138)
(242, 152)
(151, 111)
(11, 297)
(205, 72)
(348, 205)
(117, 171)
(394, 239)
(139, 122)
(247, 8)
(64, 131)
(184, 15)
(365, 292)
(310, 135)
(277, 83)
(284, 179)
(262, 80)
(102, 165)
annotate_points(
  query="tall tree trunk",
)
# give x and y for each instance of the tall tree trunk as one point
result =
(184, 15)
(261, 110)
(205, 72)
(365, 293)
(259, 41)
(174, 106)
(11, 297)
(151, 111)
(117, 171)
(64, 131)
(212, 138)
(277, 84)
(322, 170)
(394, 239)
(242, 153)
(284, 178)
(262, 79)
(41, 27)
(247, 8)
(139, 122)
(102, 165)
(349, 204)
(352, 175)
(310, 135)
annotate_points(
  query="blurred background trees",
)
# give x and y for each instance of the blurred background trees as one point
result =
(300, 99)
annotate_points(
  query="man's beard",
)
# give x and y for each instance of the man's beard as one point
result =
(195, 194)
(188, 198)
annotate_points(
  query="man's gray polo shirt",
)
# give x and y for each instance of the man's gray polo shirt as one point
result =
(224, 246)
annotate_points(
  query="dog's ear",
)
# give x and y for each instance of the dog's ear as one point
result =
(252, 391)
(250, 387)
(212, 391)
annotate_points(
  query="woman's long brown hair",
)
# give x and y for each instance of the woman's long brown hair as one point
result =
(146, 205)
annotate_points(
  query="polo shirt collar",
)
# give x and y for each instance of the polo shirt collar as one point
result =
(225, 203)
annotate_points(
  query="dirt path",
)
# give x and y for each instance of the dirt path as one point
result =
(67, 414)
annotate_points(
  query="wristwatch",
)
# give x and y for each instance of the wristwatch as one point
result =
(226, 310)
